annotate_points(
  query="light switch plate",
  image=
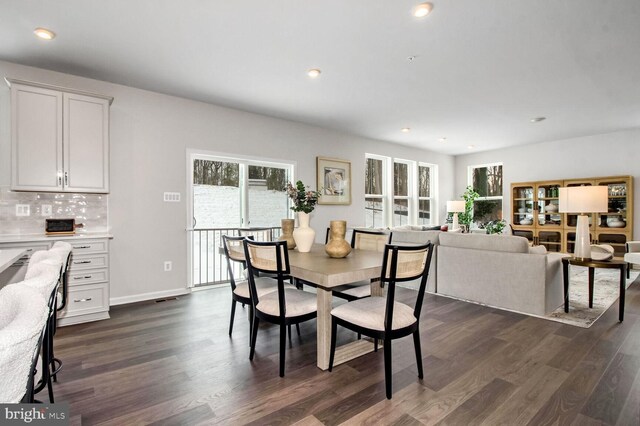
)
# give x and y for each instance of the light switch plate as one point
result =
(23, 210)
(172, 197)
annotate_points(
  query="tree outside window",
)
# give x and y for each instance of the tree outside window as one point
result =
(487, 181)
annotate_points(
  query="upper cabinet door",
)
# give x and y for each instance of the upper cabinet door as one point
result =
(36, 139)
(86, 143)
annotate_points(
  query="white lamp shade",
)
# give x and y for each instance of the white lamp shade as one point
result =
(583, 199)
(455, 206)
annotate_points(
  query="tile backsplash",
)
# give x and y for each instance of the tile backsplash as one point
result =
(89, 209)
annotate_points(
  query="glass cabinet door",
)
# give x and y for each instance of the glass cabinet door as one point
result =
(552, 240)
(615, 220)
(547, 208)
(522, 197)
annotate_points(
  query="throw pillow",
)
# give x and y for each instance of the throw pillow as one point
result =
(537, 250)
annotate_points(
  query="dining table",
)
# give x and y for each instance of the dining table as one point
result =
(326, 274)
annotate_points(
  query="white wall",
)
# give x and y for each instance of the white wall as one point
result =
(612, 154)
(150, 133)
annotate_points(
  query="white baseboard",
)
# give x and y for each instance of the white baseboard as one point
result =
(148, 296)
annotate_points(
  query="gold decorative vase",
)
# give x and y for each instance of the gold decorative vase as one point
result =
(337, 247)
(287, 233)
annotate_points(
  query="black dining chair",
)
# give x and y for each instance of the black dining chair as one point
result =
(362, 240)
(384, 318)
(285, 306)
(234, 253)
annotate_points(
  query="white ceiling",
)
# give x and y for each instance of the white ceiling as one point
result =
(483, 69)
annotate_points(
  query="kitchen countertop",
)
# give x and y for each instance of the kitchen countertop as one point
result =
(43, 237)
(8, 257)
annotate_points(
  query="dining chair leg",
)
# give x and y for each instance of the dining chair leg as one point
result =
(359, 336)
(289, 329)
(233, 314)
(375, 345)
(416, 343)
(628, 270)
(250, 323)
(283, 338)
(387, 366)
(334, 333)
(254, 334)
(298, 328)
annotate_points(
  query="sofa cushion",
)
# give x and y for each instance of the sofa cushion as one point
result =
(500, 243)
(414, 237)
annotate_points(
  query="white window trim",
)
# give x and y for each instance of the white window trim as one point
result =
(386, 186)
(388, 196)
(411, 190)
(433, 180)
(493, 197)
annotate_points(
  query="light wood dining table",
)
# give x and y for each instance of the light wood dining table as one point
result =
(327, 273)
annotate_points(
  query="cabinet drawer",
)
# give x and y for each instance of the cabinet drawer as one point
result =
(88, 276)
(87, 299)
(89, 246)
(88, 261)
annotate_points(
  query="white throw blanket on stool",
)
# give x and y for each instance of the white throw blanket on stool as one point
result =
(23, 314)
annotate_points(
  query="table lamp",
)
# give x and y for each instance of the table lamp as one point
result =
(581, 200)
(455, 207)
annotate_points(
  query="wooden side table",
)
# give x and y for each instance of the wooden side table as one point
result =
(592, 264)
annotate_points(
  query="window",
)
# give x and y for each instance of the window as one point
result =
(411, 200)
(486, 179)
(402, 192)
(375, 194)
(230, 193)
(425, 194)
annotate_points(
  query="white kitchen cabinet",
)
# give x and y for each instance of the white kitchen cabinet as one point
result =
(88, 291)
(59, 139)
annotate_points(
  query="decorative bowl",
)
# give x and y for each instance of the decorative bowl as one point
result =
(521, 210)
(551, 208)
(526, 222)
(617, 224)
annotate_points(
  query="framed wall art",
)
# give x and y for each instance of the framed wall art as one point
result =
(334, 181)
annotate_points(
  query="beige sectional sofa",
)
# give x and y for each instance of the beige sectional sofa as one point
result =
(499, 271)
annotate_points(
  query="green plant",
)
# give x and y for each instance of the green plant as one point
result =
(304, 200)
(495, 226)
(469, 197)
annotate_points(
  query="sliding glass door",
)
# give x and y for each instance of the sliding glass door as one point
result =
(229, 195)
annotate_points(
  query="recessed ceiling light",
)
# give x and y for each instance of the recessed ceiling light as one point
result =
(405, 130)
(44, 33)
(313, 72)
(538, 119)
(442, 139)
(422, 10)
(471, 146)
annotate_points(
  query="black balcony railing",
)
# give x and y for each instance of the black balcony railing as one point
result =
(209, 265)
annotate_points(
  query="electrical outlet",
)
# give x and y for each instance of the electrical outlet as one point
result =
(23, 210)
(172, 197)
(46, 210)
(168, 265)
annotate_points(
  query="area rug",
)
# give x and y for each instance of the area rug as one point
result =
(606, 290)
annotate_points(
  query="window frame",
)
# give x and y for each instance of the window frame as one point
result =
(411, 192)
(388, 196)
(488, 198)
(385, 187)
(433, 185)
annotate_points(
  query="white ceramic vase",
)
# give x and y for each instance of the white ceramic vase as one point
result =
(303, 234)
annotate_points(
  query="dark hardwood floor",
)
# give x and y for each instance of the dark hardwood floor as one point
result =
(173, 363)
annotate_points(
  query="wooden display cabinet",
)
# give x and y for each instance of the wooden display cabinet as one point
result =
(536, 217)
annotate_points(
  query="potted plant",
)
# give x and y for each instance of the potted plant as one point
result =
(304, 201)
(495, 226)
(469, 197)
